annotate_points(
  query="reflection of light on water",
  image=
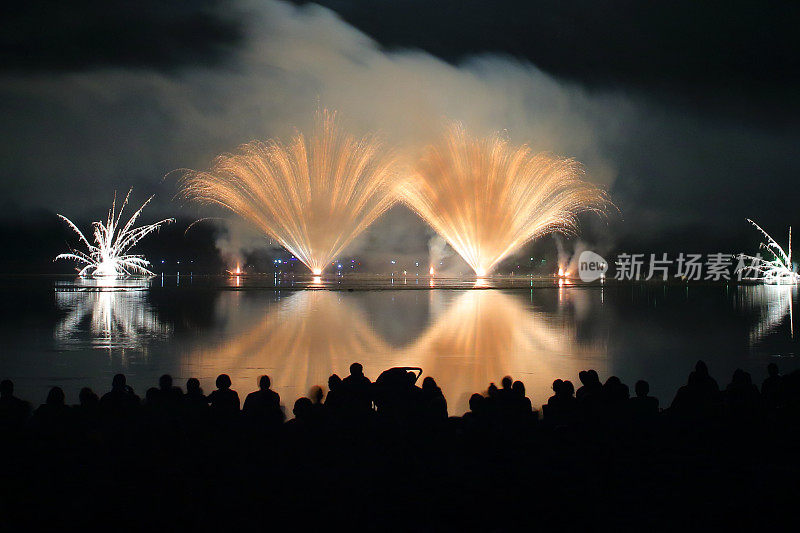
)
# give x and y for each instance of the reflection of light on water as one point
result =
(485, 335)
(774, 305)
(478, 337)
(112, 312)
(299, 344)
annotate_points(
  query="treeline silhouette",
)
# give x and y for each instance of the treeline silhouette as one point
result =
(385, 455)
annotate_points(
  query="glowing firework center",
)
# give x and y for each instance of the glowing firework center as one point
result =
(108, 257)
(313, 195)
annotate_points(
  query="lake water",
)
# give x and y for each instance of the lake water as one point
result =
(73, 334)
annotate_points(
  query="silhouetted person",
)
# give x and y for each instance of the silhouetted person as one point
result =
(263, 407)
(169, 397)
(87, 412)
(689, 401)
(224, 401)
(522, 404)
(195, 406)
(704, 381)
(151, 398)
(304, 419)
(397, 398)
(742, 398)
(477, 419)
(590, 385)
(505, 395)
(119, 403)
(700, 396)
(53, 417)
(561, 406)
(13, 411)
(772, 388)
(615, 397)
(302, 409)
(642, 406)
(492, 400)
(590, 396)
(476, 405)
(88, 399)
(356, 389)
(435, 405)
(194, 398)
(334, 399)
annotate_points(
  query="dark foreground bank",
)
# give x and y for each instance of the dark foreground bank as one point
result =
(384, 455)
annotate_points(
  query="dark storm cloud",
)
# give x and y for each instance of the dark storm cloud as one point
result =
(47, 35)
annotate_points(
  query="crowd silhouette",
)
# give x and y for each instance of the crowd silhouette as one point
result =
(712, 455)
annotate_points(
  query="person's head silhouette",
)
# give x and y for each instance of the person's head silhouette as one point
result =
(223, 382)
(193, 386)
(519, 388)
(356, 369)
(302, 408)
(118, 382)
(55, 396)
(429, 384)
(264, 382)
(165, 382)
(476, 402)
(87, 397)
(642, 388)
(151, 396)
(772, 370)
(333, 382)
(506, 382)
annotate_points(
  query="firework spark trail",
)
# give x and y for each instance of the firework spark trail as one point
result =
(313, 195)
(107, 257)
(487, 197)
(779, 270)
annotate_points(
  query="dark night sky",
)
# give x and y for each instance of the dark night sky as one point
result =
(688, 111)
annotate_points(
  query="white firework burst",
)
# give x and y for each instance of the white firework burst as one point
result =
(108, 257)
(778, 270)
